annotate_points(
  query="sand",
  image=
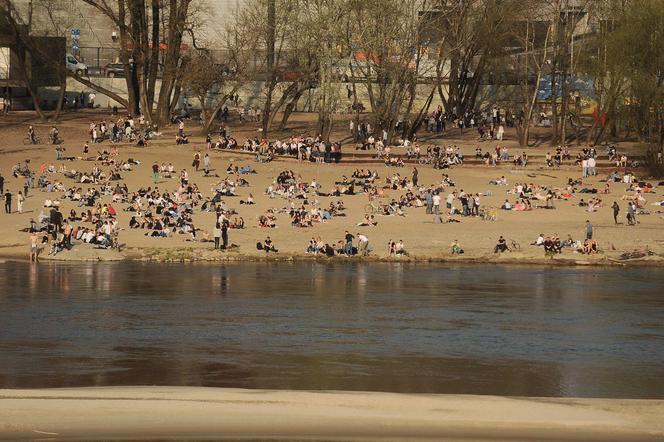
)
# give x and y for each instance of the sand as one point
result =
(423, 239)
(139, 413)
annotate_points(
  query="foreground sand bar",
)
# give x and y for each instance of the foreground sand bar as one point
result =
(137, 413)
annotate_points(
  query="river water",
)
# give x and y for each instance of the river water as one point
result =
(485, 329)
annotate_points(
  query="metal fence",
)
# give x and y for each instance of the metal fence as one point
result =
(98, 57)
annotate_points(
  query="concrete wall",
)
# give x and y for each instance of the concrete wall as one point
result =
(251, 95)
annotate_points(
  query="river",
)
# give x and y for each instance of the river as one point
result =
(420, 328)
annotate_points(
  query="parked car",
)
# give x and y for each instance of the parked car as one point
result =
(114, 70)
(74, 65)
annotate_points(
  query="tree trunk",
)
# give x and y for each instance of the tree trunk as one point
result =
(271, 72)
(102, 90)
(131, 104)
(424, 111)
(290, 107)
(290, 90)
(154, 57)
(61, 99)
(176, 23)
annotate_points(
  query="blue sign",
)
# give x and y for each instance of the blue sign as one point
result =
(585, 86)
(75, 31)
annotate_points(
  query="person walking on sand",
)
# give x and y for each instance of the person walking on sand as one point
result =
(589, 230)
(631, 214)
(436, 203)
(27, 183)
(34, 247)
(8, 201)
(429, 202)
(224, 234)
(363, 244)
(616, 211)
(206, 164)
(217, 235)
(20, 199)
(155, 172)
(197, 161)
(501, 132)
(348, 248)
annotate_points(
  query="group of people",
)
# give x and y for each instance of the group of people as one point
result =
(171, 205)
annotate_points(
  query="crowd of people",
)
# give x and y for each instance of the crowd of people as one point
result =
(93, 183)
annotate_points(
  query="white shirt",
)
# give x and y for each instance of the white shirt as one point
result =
(436, 200)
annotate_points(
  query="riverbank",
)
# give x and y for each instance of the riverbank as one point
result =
(205, 255)
(423, 239)
(141, 413)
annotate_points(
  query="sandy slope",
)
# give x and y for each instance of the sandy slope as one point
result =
(423, 238)
(207, 413)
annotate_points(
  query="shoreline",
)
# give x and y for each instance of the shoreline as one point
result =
(196, 255)
(175, 413)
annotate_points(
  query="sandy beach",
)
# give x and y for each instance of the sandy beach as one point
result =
(423, 239)
(133, 413)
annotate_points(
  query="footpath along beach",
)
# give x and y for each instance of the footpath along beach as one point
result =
(160, 413)
(422, 237)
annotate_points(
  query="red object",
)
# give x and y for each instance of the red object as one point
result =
(162, 46)
(599, 118)
(363, 56)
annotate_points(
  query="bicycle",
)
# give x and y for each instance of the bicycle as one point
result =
(56, 140)
(115, 243)
(513, 246)
(488, 214)
(28, 140)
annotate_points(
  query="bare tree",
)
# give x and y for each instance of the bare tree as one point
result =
(534, 36)
(469, 37)
(383, 54)
(214, 81)
(144, 45)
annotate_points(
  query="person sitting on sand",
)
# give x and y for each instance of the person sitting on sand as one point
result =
(368, 221)
(502, 181)
(238, 223)
(266, 221)
(549, 248)
(589, 247)
(557, 244)
(181, 139)
(400, 249)
(268, 246)
(539, 241)
(391, 248)
(249, 200)
(456, 248)
(501, 246)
